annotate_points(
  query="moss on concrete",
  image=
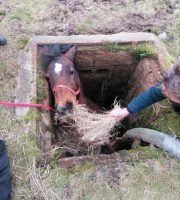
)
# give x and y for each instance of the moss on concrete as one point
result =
(139, 51)
(83, 167)
(148, 152)
(114, 47)
(79, 168)
(140, 153)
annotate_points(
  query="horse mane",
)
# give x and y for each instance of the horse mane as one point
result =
(51, 52)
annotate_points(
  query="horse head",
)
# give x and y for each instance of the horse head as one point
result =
(64, 81)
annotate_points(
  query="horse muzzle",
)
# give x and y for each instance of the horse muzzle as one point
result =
(62, 110)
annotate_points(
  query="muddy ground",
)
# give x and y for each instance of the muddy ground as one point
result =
(148, 173)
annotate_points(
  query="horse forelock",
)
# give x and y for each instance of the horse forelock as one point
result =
(46, 60)
(58, 68)
(51, 53)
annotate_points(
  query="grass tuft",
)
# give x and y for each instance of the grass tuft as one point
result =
(22, 41)
(137, 50)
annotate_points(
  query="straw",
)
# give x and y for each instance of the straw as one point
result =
(92, 127)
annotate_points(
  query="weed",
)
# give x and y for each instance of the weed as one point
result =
(156, 30)
(144, 50)
(22, 41)
(40, 88)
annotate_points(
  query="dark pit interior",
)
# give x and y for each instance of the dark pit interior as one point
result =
(104, 74)
(107, 75)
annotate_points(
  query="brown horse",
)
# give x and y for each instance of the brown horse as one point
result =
(65, 82)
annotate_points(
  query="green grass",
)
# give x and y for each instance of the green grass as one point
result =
(40, 87)
(167, 122)
(144, 50)
(2, 67)
(156, 30)
(22, 41)
(33, 114)
(142, 153)
(149, 180)
(22, 14)
(139, 51)
(31, 149)
(29, 12)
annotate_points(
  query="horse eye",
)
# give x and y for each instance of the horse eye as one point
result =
(71, 72)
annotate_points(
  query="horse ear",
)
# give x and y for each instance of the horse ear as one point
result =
(71, 53)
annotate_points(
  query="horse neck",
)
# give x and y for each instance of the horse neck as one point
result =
(82, 98)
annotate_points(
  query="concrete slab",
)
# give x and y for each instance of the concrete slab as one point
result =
(26, 84)
(123, 37)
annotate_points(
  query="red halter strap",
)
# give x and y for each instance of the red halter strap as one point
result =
(75, 93)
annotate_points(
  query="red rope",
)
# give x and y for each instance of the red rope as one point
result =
(27, 105)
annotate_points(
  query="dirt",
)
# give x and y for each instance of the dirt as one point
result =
(121, 18)
(23, 19)
(69, 17)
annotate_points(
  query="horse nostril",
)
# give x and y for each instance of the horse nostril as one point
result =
(69, 106)
(61, 109)
(64, 109)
